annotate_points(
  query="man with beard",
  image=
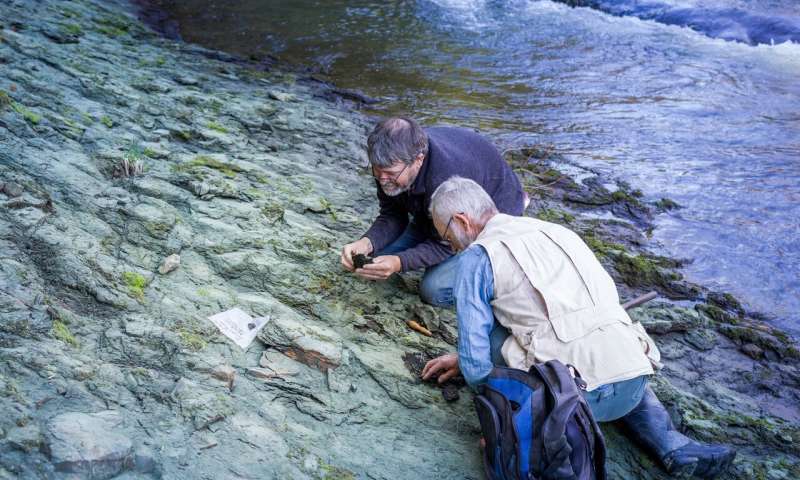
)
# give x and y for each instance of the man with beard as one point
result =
(528, 291)
(408, 164)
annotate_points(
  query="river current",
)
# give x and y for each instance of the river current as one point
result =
(696, 101)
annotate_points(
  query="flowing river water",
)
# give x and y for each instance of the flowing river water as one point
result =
(696, 101)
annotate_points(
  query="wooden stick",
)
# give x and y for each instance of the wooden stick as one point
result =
(639, 300)
(414, 325)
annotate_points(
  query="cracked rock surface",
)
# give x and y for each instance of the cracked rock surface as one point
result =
(146, 185)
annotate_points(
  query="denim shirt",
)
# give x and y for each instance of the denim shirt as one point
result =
(473, 293)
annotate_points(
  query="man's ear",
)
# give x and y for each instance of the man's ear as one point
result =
(462, 220)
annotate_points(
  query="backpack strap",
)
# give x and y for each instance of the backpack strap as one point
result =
(563, 398)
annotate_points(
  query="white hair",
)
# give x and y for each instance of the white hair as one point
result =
(460, 195)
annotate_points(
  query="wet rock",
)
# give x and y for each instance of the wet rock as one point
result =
(27, 438)
(334, 364)
(281, 96)
(185, 79)
(62, 34)
(169, 264)
(660, 319)
(450, 392)
(753, 351)
(702, 339)
(91, 445)
(12, 189)
(310, 344)
(224, 373)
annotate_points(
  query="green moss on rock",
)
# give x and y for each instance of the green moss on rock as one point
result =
(29, 116)
(228, 169)
(192, 340)
(554, 215)
(600, 247)
(136, 284)
(217, 127)
(645, 270)
(5, 100)
(60, 331)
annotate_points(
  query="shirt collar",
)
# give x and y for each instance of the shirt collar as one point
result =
(418, 187)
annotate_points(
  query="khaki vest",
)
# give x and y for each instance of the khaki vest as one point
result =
(558, 301)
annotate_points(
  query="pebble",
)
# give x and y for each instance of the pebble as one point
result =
(753, 351)
(13, 190)
(281, 96)
(169, 264)
(225, 373)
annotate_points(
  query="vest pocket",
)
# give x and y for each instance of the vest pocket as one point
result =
(579, 323)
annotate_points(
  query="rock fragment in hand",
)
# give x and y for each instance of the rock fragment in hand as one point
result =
(359, 260)
(169, 264)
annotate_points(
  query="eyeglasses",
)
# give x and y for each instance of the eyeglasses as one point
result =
(391, 179)
(444, 236)
(447, 228)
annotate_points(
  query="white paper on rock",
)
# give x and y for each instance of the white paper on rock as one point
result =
(238, 326)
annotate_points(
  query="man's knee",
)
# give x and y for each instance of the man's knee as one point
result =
(437, 283)
(435, 292)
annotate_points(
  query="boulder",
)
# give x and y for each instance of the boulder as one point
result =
(89, 444)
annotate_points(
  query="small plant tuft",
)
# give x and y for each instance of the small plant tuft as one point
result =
(61, 332)
(135, 283)
(29, 116)
(131, 164)
(5, 100)
(217, 127)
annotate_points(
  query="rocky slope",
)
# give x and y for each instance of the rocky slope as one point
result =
(119, 149)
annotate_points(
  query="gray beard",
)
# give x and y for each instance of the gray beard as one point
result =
(397, 191)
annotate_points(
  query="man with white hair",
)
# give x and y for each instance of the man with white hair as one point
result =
(529, 291)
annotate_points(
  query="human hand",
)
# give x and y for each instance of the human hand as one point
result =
(362, 246)
(446, 367)
(381, 268)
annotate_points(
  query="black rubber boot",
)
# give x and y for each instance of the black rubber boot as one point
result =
(649, 425)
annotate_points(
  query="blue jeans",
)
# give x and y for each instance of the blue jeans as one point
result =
(607, 402)
(438, 280)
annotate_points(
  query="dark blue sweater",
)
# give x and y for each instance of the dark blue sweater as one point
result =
(451, 151)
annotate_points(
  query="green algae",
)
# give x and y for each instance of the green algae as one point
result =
(217, 127)
(332, 472)
(667, 204)
(717, 314)
(5, 100)
(274, 212)
(136, 284)
(113, 25)
(554, 215)
(600, 247)
(645, 270)
(72, 29)
(192, 340)
(60, 331)
(29, 116)
(107, 121)
(327, 206)
(228, 169)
